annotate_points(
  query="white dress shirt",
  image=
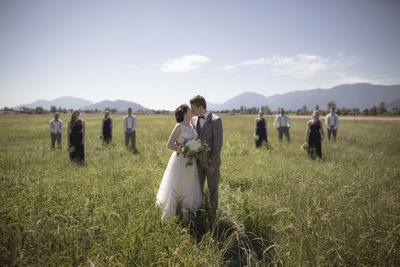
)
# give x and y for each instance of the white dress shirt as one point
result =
(129, 123)
(282, 121)
(202, 121)
(332, 121)
(56, 126)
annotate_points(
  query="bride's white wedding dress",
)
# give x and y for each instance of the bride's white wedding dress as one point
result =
(180, 185)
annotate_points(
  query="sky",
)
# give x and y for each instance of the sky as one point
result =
(161, 53)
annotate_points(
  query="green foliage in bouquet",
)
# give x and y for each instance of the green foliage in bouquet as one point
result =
(195, 150)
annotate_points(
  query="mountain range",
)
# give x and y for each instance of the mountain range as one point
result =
(360, 95)
(69, 102)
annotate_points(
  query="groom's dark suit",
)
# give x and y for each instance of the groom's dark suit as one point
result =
(212, 133)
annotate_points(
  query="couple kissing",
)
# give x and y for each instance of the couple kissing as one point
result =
(181, 188)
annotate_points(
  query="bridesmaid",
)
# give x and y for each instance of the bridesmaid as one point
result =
(107, 128)
(76, 138)
(261, 130)
(314, 135)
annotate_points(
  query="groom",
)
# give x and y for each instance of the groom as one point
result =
(209, 128)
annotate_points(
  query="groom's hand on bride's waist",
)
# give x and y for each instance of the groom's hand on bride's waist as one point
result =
(210, 171)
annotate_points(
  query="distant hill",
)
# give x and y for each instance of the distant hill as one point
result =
(120, 105)
(360, 95)
(67, 102)
(394, 104)
(248, 99)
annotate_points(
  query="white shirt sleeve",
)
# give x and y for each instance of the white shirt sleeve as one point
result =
(61, 126)
(51, 126)
(326, 120)
(276, 118)
(134, 122)
(288, 121)
(337, 121)
(124, 123)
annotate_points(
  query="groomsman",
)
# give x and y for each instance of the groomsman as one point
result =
(129, 124)
(56, 127)
(332, 123)
(282, 123)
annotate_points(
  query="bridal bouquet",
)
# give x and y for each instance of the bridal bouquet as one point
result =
(304, 146)
(197, 150)
(256, 138)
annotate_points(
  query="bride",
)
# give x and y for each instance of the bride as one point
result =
(180, 185)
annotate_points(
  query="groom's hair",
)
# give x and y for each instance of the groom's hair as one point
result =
(180, 112)
(198, 101)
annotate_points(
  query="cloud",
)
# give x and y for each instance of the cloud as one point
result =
(254, 62)
(229, 67)
(303, 65)
(184, 64)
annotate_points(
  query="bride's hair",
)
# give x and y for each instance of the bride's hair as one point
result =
(180, 112)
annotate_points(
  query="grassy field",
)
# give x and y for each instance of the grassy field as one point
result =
(277, 207)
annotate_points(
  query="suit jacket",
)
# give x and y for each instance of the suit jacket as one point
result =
(212, 133)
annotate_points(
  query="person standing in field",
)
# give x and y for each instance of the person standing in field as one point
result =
(107, 128)
(260, 130)
(76, 138)
(209, 128)
(314, 135)
(129, 125)
(56, 127)
(332, 123)
(282, 123)
(180, 185)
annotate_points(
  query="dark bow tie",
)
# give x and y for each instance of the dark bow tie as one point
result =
(201, 117)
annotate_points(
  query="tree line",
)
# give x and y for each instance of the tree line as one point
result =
(380, 110)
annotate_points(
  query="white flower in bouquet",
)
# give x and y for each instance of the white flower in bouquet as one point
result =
(71, 149)
(256, 137)
(197, 150)
(304, 146)
(194, 145)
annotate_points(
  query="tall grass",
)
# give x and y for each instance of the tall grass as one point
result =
(277, 207)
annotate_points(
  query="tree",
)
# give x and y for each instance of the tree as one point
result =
(266, 110)
(39, 110)
(331, 104)
(382, 108)
(365, 112)
(373, 111)
(355, 111)
(344, 111)
(396, 111)
(317, 107)
(53, 109)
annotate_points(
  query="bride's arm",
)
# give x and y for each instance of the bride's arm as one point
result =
(172, 138)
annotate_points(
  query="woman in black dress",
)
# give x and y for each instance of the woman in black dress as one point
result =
(76, 138)
(314, 135)
(107, 128)
(261, 130)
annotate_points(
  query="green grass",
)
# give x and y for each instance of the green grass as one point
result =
(277, 207)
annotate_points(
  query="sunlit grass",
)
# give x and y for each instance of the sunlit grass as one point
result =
(277, 207)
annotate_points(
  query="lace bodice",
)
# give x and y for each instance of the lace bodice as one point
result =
(187, 133)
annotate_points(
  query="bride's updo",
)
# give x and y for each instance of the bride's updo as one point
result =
(180, 112)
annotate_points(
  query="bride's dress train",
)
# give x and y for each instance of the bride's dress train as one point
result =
(180, 185)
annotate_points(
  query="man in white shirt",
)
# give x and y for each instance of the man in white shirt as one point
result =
(56, 127)
(332, 122)
(129, 124)
(282, 123)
